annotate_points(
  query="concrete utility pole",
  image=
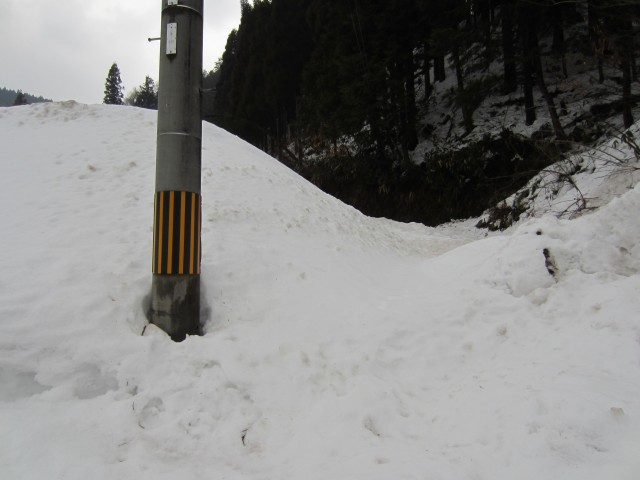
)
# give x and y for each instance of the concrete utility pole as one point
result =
(175, 289)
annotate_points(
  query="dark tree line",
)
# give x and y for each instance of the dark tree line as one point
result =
(261, 72)
(339, 89)
(323, 69)
(10, 98)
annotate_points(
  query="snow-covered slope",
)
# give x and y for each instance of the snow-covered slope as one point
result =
(337, 346)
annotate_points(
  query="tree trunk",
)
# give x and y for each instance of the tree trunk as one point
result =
(467, 115)
(526, 20)
(426, 62)
(626, 55)
(558, 46)
(529, 20)
(484, 13)
(410, 101)
(593, 21)
(553, 113)
(402, 92)
(439, 72)
(619, 26)
(627, 116)
(510, 74)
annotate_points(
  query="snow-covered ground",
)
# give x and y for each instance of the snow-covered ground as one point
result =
(337, 346)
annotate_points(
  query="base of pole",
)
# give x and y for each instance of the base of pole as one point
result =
(175, 305)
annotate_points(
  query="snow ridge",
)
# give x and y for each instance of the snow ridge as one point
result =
(336, 345)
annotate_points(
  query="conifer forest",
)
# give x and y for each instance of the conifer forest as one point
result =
(426, 110)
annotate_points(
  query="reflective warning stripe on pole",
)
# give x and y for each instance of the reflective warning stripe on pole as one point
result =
(176, 233)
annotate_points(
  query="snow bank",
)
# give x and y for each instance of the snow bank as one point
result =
(336, 346)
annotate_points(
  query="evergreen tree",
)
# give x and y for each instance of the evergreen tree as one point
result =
(113, 89)
(222, 99)
(21, 99)
(146, 95)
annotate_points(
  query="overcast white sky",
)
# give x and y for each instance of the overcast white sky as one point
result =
(62, 49)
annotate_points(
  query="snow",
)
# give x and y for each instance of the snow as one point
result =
(336, 345)
(588, 179)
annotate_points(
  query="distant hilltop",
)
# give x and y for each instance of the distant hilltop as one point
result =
(8, 97)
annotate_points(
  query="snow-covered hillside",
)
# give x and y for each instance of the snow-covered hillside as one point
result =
(337, 346)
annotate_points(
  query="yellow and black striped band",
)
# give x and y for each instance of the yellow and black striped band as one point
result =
(176, 233)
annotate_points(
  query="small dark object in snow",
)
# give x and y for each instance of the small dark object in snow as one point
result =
(549, 262)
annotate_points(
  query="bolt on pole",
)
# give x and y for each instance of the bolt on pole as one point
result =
(175, 289)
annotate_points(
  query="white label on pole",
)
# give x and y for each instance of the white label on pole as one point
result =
(172, 38)
(173, 2)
